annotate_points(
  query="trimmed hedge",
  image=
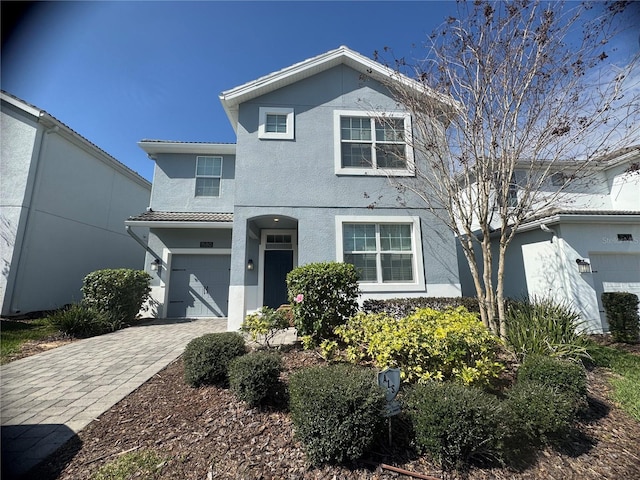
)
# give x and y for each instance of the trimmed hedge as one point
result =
(454, 424)
(622, 314)
(117, 293)
(207, 358)
(563, 375)
(336, 411)
(401, 307)
(537, 413)
(322, 295)
(255, 376)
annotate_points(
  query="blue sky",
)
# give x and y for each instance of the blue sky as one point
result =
(117, 72)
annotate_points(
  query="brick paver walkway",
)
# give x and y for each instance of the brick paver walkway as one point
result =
(49, 397)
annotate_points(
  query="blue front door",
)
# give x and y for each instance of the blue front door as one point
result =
(277, 263)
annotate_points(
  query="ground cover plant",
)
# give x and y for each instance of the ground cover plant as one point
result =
(427, 344)
(265, 324)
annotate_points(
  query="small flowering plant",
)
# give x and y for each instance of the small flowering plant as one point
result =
(299, 298)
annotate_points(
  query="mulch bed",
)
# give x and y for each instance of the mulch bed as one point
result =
(206, 433)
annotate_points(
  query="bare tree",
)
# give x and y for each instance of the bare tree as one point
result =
(529, 99)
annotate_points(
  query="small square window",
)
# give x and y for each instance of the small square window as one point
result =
(558, 179)
(275, 123)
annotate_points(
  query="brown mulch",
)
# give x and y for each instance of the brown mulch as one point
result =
(206, 433)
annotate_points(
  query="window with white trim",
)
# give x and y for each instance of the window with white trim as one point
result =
(372, 145)
(386, 251)
(208, 175)
(275, 123)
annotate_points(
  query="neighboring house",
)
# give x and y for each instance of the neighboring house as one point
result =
(307, 181)
(588, 243)
(63, 203)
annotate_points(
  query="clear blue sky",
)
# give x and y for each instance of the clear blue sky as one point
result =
(118, 72)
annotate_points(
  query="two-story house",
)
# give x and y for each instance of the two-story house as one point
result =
(584, 242)
(63, 202)
(306, 181)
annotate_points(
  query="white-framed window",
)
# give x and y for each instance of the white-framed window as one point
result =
(386, 251)
(208, 175)
(367, 144)
(276, 123)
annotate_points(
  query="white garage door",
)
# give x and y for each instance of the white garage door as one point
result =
(615, 273)
(199, 286)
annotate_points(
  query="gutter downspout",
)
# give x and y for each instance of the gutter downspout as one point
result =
(13, 308)
(142, 243)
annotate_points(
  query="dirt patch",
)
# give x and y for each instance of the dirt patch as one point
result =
(206, 433)
(33, 347)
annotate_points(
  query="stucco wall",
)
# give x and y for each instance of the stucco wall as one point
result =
(544, 265)
(75, 221)
(301, 171)
(174, 185)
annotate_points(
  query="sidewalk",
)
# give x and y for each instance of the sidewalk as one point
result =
(49, 397)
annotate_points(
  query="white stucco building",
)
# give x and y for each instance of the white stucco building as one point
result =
(589, 243)
(63, 204)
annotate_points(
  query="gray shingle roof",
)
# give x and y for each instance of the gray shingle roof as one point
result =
(182, 217)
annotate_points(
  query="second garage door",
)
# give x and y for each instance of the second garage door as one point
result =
(199, 286)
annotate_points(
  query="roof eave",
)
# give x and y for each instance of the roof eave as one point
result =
(231, 99)
(156, 147)
(177, 224)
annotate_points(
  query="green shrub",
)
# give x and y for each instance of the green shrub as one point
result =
(426, 345)
(255, 376)
(265, 324)
(207, 358)
(564, 375)
(537, 413)
(117, 293)
(336, 411)
(80, 321)
(622, 314)
(323, 295)
(544, 327)
(401, 307)
(454, 424)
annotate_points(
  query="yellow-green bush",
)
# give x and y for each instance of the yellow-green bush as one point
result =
(427, 345)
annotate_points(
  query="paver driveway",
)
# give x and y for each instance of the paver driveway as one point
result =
(49, 397)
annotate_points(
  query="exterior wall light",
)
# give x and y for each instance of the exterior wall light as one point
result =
(250, 265)
(155, 265)
(583, 266)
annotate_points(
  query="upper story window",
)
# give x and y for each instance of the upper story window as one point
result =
(372, 145)
(208, 175)
(385, 251)
(275, 123)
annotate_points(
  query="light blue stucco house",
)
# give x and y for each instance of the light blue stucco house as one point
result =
(63, 202)
(306, 181)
